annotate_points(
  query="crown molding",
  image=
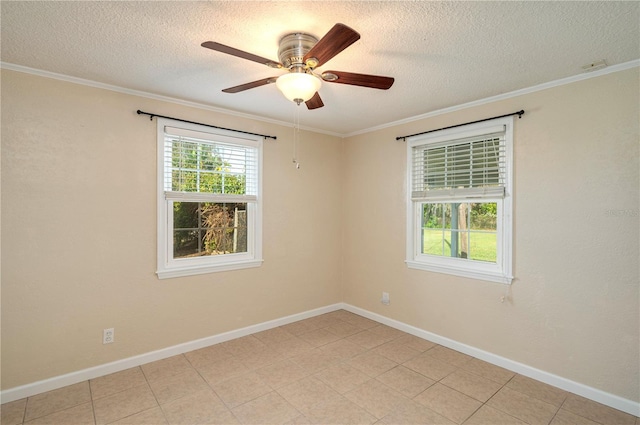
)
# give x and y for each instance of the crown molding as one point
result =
(95, 84)
(544, 86)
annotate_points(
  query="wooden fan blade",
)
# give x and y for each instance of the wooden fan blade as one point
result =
(315, 102)
(363, 80)
(336, 40)
(240, 53)
(251, 85)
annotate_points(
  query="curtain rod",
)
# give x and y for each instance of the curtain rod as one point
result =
(519, 114)
(139, 112)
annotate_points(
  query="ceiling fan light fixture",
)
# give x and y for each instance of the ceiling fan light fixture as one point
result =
(301, 54)
(298, 87)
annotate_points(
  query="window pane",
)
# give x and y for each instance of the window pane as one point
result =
(184, 154)
(207, 228)
(432, 242)
(460, 244)
(225, 228)
(447, 215)
(184, 180)
(234, 184)
(210, 182)
(185, 215)
(446, 244)
(483, 246)
(460, 230)
(432, 216)
(193, 166)
(186, 243)
(484, 216)
(209, 158)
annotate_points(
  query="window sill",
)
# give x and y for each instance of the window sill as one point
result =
(469, 273)
(204, 269)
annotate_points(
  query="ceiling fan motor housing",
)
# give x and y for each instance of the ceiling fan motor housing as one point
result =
(300, 54)
(293, 47)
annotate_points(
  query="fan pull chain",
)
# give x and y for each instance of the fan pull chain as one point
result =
(296, 136)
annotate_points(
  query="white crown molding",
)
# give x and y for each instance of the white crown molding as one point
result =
(139, 93)
(544, 86)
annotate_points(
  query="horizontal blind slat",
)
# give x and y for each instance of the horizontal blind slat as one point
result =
(208, 197)
(197, 162)
(459, 165)
(466, 193)
(213, 136)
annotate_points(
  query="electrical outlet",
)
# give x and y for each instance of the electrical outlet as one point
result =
(385, 298)
(107, 336)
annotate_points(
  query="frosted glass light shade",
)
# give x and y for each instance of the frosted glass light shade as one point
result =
(298, 86)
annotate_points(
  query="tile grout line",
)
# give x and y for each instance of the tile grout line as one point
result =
(146, 379)
(93, 407)
(341, 361)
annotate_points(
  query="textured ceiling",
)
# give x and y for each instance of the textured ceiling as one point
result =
(441, 54)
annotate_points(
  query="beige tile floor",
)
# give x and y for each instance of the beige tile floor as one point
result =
(337, 368)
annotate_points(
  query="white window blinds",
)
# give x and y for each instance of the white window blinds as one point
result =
(467, 167)
(198, 163)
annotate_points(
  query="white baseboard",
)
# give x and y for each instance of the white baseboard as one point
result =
(56, 382)
(585, 391)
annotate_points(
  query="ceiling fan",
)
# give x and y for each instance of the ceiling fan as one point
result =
(300, 54)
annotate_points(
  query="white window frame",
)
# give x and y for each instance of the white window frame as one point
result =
(501, 271)
(169, 267)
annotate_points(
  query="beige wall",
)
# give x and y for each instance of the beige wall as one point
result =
(79, 241)
(79, 232)
(573, 309)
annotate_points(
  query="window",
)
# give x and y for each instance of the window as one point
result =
(209, 199)
(459, 203)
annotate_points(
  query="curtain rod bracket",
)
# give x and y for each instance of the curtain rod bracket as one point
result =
(139, 112)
